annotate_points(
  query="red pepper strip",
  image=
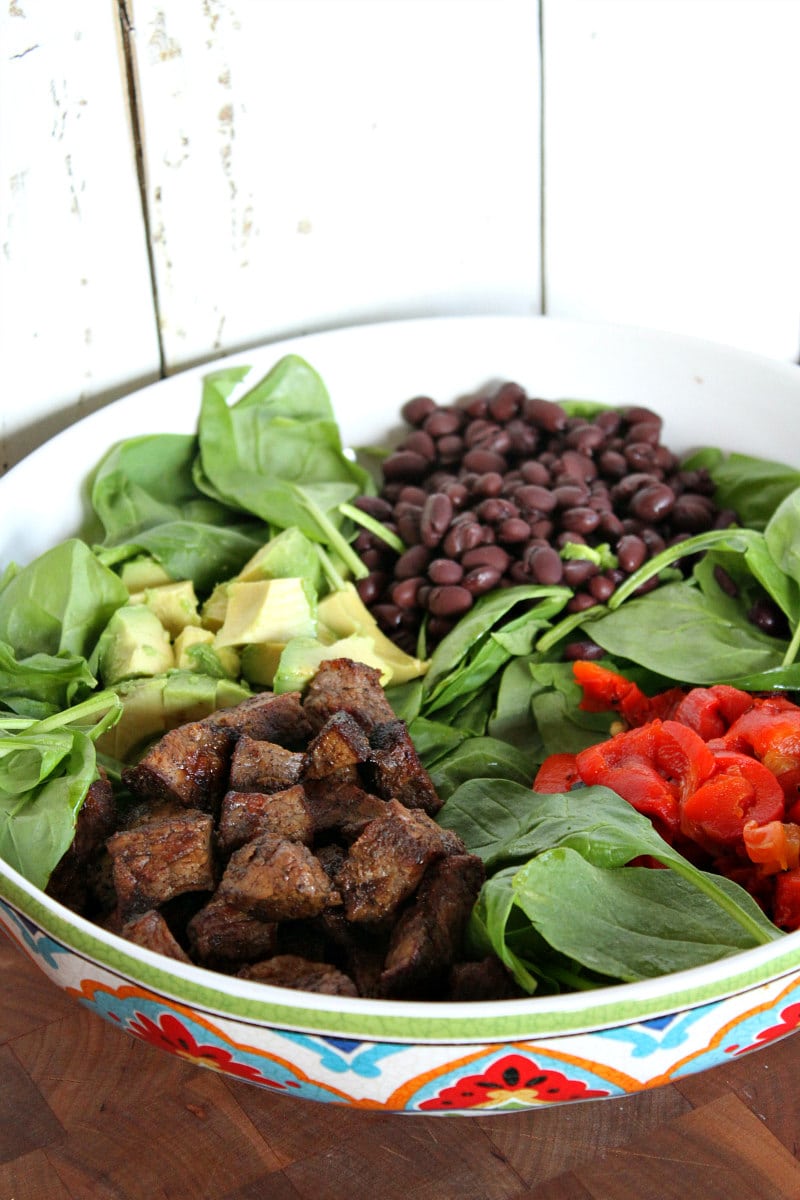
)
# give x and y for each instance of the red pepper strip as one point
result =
(711, 711)
(775, 846)
(739, 790)
(770, 731)
(605, 691)
(786, 900)
(557, 773)
(653, 767)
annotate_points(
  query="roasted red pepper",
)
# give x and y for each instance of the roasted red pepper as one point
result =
(716, 769)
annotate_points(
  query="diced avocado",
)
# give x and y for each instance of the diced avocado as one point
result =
(212, 613)
(344, 613)
(302, 656)
(175, 605)
(270, 610)
(133, 643)
(290, 554)
(152, 706)
(140, 573)
(195, 651)
(260, 662)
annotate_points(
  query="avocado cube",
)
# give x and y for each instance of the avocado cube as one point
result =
(133, 643)
(268, 610)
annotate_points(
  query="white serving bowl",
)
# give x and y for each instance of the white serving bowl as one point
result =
(415, 1056)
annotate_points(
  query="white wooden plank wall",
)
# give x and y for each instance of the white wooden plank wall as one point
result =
(76, 315)
(671, 166)
(313, 163)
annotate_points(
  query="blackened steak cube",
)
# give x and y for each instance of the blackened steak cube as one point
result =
(220, 933)
(97, 820)
(258, 766)
(343, 808)
(487, 979)
(341, 685)
(246, 815)
(276, 880)
(152, 931)
(292, 971)
(396, 770)
(387, 862)
(162, 858)
(188, 764)
(338, 749)
(267, 718)
(428, 936)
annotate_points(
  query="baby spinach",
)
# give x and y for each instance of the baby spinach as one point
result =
(46, 769)
(549, 854)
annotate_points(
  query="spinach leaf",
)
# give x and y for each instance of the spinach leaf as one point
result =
(206, 554)
(682, 634)
(60, 603)
(626, 923)
(46, 769)
(41, 684)
(477, 757)
(752, 487)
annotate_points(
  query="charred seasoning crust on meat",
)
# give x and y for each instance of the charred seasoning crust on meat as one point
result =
(291, 840)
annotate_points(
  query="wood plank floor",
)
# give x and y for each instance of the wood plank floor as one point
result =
(87, 1113)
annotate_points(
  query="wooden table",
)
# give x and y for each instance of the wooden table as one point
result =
(88, 1113)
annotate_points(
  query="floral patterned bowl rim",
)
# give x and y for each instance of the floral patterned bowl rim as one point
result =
(688, 380)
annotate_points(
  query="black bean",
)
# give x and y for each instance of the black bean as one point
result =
(496, 510)
(442, 422)
(542, 528)
(640, 456)
(578, 466)
(372, 559)
(602, 588)
(580, 602)
(449, 601)
(535, 472)
(460, 538)
(413, 562)
(479, 433)
(456, 493)
(481, 579)
(437, 513)
(415, 411)
(490, 484)
(375, 507)
(568, 495)
(415, 496)
(585, 438)
(404, 464)
(653, 502)
(506, 402)
(450, 448)
(578, 570)
(611, 525)
(371, 587)
(524, 438)
(612, 463)
(645, 431)
(725, 582)
(404, 593)
(482, 461)
(692, 512)
(388, 616)
(545, 565)
(580, 520)
(536, 498)
(420, 443)
(631, 553)
(408, 526)
(514, 530)
(446, 570)
(767, 617)
(545, 413)
(584, 649)
(491, 556)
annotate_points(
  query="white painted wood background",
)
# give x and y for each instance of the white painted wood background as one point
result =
(180, 180)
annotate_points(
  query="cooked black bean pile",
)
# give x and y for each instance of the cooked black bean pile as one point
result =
(488, 492)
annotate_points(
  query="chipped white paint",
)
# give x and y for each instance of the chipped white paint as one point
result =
(673, 179)
(319, 162)
(76, 318)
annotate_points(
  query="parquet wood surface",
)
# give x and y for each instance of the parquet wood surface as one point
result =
(88, 1113)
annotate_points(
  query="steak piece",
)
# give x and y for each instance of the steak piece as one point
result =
(387, 862)
(160, 859)
(341, 685)
(96, 820)
(291, 971)
(267, 718)
(276, 880)
(396, 770)
(428, 937)
(221, 934)
(246, 815)
(338, 749)
(343, 808)
(152, 931)
(188, 764)
(484, 980)
(258, 766)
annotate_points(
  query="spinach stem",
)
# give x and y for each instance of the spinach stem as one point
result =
(793, 647)
(335, 538)
(376, 527)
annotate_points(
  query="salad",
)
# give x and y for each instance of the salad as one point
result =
(240, 557)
